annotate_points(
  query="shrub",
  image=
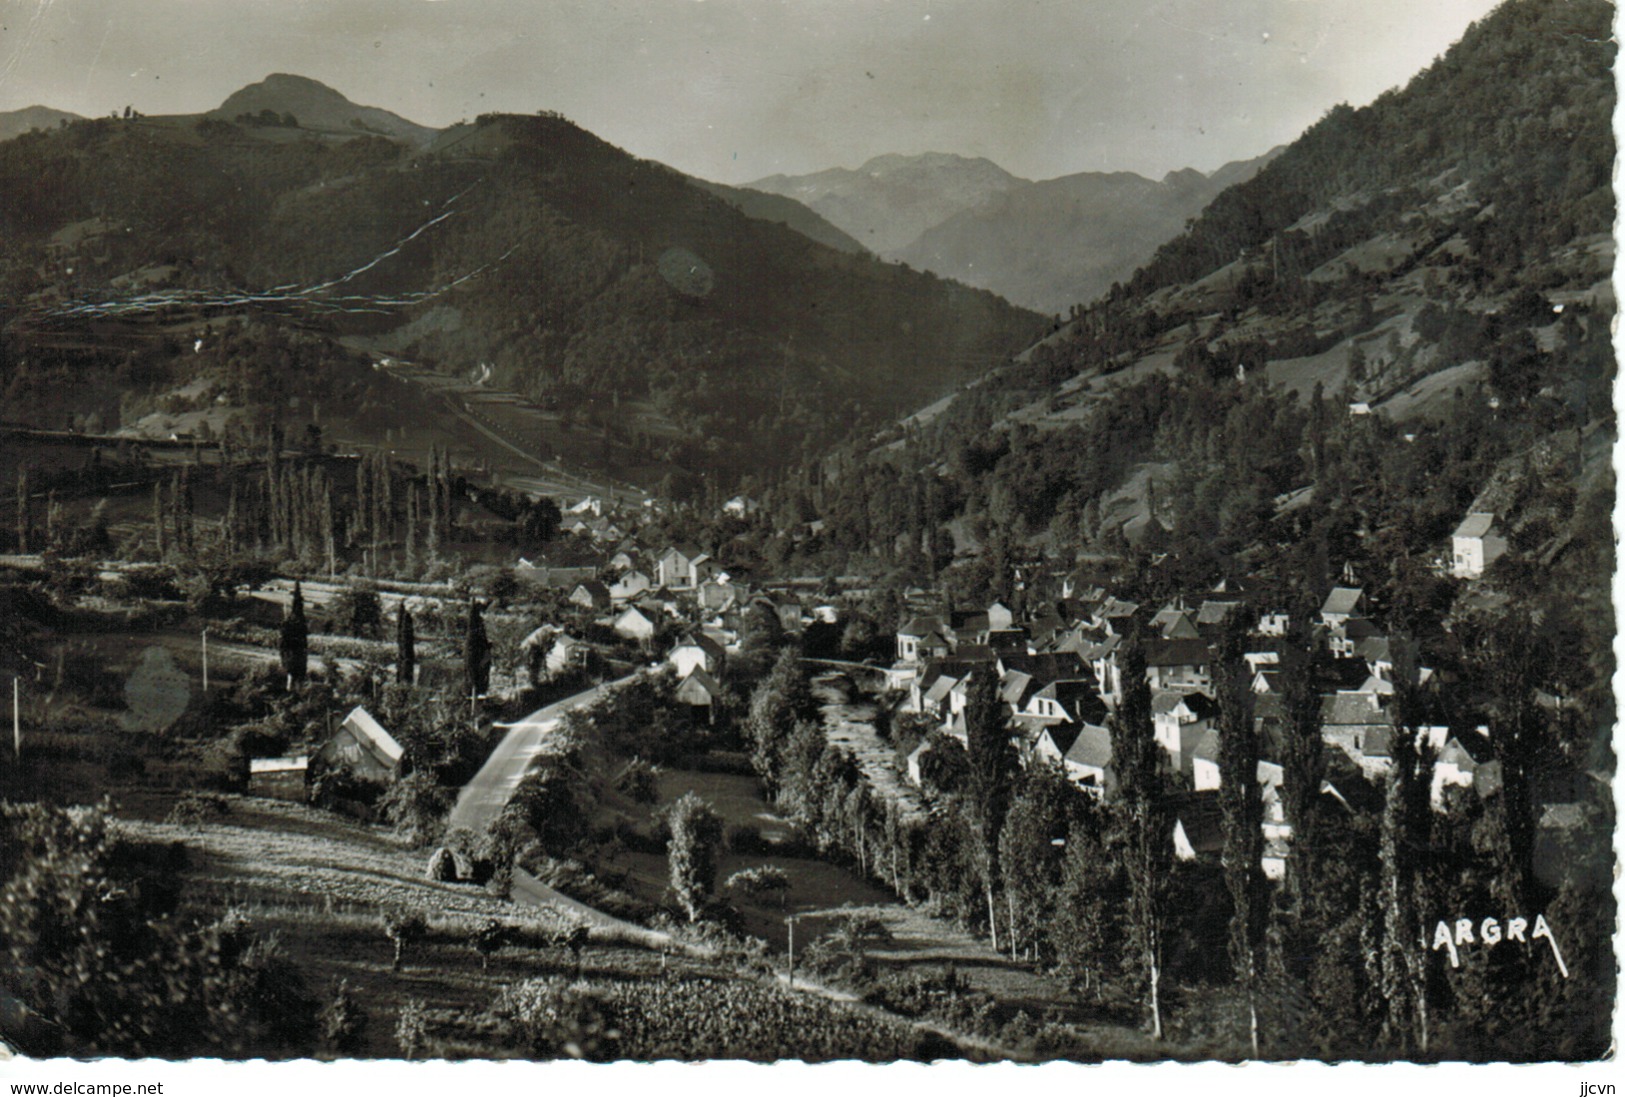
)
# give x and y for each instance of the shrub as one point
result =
(341, 1022)
(403, 928)
(194, 809)
(639, 780)
(412, 1029)
(549, 1018)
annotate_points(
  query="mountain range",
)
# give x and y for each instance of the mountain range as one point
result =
(1403, 317)
(1045, 245)
(890, 200)
(1053, 244)
(523, 246)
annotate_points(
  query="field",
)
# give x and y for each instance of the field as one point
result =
(318, 883)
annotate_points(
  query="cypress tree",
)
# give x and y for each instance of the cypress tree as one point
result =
(405, 647)
(295, 641)
(476, 652)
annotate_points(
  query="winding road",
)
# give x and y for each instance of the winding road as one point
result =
(484, 797)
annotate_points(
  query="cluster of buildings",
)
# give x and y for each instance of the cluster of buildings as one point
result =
(1058, 672)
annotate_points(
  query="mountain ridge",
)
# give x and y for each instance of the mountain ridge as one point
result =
(1058, 242)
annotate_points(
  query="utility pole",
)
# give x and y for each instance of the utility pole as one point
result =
(16, 717)
(205, 661)
(790, 921)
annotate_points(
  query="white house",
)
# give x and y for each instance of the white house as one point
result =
(1179, 720)
(683, 567)
(1475, 545)
(696, 651)
(629, 585)
(1341, 604)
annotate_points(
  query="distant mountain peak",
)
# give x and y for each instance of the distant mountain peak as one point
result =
(319, 107)
(894, 197)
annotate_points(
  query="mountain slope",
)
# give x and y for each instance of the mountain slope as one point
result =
(763, 206)
(579, 275)
(318, 107)
(1052, 244)
(1424, 283)
(891, 199)
(15, 122)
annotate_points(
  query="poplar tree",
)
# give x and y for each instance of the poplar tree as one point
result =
(412, 520)
(1405, 830)
(158, 519)
(1147, 848)
(1303, 766)
(993, 764)
(1243, 813)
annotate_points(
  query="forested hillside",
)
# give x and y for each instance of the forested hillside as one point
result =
(1429, 337)
(581, 276)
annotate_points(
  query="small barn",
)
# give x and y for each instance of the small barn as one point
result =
(698, 689)
(278, 778)
(362, 746)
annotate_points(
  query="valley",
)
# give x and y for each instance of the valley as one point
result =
(476, 593)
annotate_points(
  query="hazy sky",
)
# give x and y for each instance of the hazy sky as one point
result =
(736, 89)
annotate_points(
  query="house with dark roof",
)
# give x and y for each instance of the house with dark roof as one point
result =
(1206, 765)
(629, 584)
(921, 638)
(590, 594)
(1215, 614)
(1083, 753)
(1068, 701)
(1118, 617)
(1466, 761)
(696, 650)
(1179, 664)
(1345, 638)
(634, 624)
(683, 567)
(698, 689)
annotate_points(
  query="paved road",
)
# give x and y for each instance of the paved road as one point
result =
(483, 798)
